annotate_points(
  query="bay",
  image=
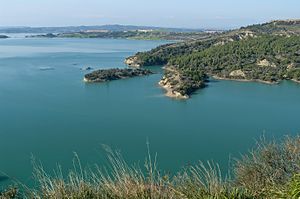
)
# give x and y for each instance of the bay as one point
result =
(50, 114)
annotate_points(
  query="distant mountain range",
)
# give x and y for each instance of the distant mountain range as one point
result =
(70, 29)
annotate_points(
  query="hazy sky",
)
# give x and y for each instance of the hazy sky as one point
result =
(168, 13)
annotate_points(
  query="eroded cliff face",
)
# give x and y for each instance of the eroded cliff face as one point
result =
(178, 85)
(171, 83)
(133, 61)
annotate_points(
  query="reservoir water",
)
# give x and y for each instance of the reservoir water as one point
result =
(50, 114)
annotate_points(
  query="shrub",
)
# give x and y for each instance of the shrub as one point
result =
(269, 167)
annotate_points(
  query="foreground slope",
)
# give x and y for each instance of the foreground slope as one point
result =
(269, 171)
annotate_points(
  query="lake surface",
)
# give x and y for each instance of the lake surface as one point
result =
(49, 114)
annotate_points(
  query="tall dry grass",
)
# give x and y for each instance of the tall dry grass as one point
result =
(269, 167)
(269, 171)
(123, 181)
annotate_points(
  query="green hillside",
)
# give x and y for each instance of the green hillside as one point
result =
(268, 53)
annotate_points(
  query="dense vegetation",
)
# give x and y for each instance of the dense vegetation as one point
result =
(278, 27)
(267, 58)
(162, 54)
(105, 75)
(270, 171)
(266, 52)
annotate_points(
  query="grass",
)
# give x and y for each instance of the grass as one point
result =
(269, 167)
(271, 170)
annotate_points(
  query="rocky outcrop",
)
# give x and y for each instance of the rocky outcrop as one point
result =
(237, 73)
(132, 62)
(87, 68)
(266, 63)
(291, 66)
(166, 83)
(106, 75)
(177, 85)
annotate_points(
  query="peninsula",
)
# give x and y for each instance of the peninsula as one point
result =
(105, 75)
(267, 53)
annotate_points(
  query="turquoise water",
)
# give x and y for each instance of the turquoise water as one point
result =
(51, 113)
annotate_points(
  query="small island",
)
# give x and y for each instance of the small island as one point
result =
(105, 75)
(3, 37)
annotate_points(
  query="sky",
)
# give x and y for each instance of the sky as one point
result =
(165, 13)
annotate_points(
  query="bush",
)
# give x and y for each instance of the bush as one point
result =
(269, 171)
(269, 167)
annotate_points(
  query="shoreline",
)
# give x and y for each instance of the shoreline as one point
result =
(171, 93)
(296, 81)
(244, 80)
(165, 84)
(106, 75)
(86, 80)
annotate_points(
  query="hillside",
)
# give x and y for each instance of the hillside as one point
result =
(267, 53)
(72, 29)
(277, 27)
(134, 34)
